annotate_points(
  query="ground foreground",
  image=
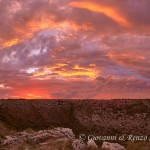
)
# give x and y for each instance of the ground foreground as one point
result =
(58, 124)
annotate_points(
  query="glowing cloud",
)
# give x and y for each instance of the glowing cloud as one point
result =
(108, 11)
(11, 42)
(30, 96)
(59, 71)
(74, 49)
(125, 56)
(34, 26)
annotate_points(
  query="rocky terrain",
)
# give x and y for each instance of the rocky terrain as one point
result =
(54, 139)
(37, 124)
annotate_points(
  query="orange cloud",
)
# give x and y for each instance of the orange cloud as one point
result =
(42, 73)
(128, 59)
(59, 70)
(107, 10)
(33, 26)
(78, 71)
(86, 72)
(11, 43)
(30, 96)
(125, 56)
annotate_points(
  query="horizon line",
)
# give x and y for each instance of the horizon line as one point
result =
(76, 99)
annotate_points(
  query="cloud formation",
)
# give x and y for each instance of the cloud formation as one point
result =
(110, 12)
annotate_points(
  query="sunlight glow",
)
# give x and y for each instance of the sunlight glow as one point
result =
(108, 11)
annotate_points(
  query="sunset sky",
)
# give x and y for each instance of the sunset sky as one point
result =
(74, 49)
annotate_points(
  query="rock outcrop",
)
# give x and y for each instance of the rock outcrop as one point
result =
(112, 146)
(54, 139)
(41, 138)
(92, 145)
(78, 145)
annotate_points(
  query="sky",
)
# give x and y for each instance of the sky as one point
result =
(74, 49)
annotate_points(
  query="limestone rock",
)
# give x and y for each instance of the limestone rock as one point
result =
(92, 145)
(62, 135)
(78, 145)
(112, 146)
